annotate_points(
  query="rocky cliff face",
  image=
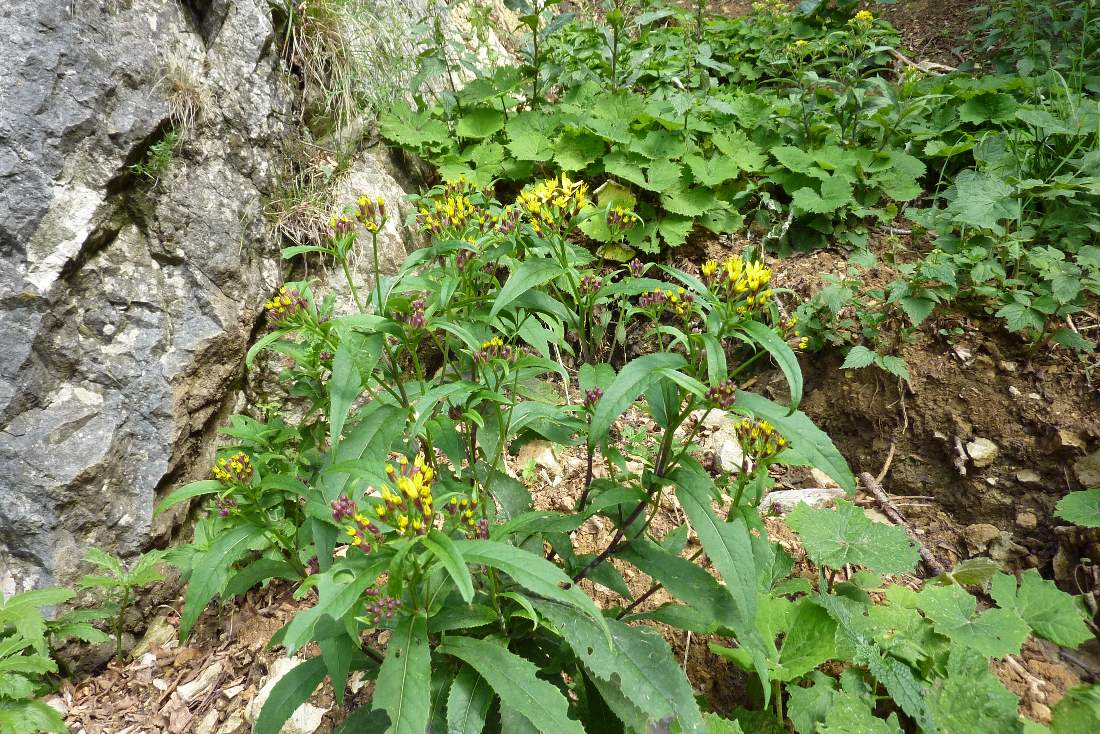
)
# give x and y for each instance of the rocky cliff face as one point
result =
(125, 302)
(140, 141)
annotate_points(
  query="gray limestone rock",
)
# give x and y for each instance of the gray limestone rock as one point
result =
(126, 304)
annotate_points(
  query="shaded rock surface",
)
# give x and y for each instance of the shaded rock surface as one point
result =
(127, 302)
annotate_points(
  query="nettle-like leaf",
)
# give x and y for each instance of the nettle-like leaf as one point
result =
(849, 715)
(1081, 508)
(983, 200)
(952, 609)
(1052, 613)
(835, 192)
(1078, 711)
(836, 537)
(971, 699)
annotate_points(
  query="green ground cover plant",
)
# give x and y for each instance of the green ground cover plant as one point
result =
(799, 130)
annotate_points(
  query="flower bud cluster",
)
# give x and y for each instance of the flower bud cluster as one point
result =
(620, 220)
(637, 269)
(416, 317)
(225, 506)
(462, 512)
(380, 608)
(372, 213)
(590, 284)
(235, 469)
(792, 335)
(678, 301)
(722, 395)
(863, 20)
(591, 397)
(494, 348)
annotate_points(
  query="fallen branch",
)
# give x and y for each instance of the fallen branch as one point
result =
(891, 511)
(928, 67)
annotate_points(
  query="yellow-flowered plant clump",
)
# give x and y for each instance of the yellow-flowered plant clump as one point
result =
(235, 469)
(407, 502)
(678, 301)
(739, 281)
(552, 204)
(759, 439)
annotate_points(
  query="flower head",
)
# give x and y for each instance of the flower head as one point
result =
(285, 304)
(759, 439)
(235, 469)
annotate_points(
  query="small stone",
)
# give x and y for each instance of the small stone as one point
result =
(783, 501)
(982, 452)
(1027, 476)
(1027, 519)
(1087, 470)
(306, 718)
(964, 354)
(1008, 366)
(201, 684)
(232, 692)
(540, 453)
(1040, 712)
(821, 479)
(209, 723)
(1014, 391)
(991, 481)
(729, 457)
(1034, 396)
(1066, 439)
(57, 703)
(158, 634)
(979, 535)
(875, 516)
(234, 724)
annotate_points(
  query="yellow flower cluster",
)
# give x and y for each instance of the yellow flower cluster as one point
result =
(739, 280)
(863, 20)
(553, 203)
(372, 213)
(770, 7)
(236, 469)
(452, 213)
(407, 505)
(791, 333)
(285, 304)
(759, 439)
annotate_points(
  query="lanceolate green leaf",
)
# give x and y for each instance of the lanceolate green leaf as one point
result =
(534, 573)
(404, 681)
(635, 378)
(729, 548)
(468, 703)
(781, 353)
(640, 665)
(211, 570)
(186, 492)
(530, 274)
(516, 681)
(289, 693)
(448, 554)
(334, 598)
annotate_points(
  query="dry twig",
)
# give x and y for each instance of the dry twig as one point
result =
(891, 511)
